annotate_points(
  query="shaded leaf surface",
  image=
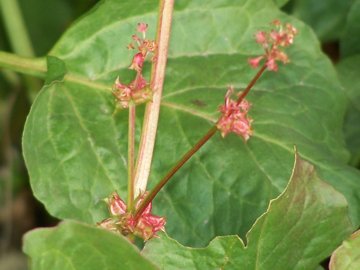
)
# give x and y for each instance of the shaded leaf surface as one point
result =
(347, 256)
(349, 44)
(300, 228)
(76, 246)
(349, 74)
(75, 148)
(327, 18)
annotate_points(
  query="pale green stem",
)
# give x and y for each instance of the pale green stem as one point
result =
(131, 154)
(152, 110)
(19, 39)
(30, 66)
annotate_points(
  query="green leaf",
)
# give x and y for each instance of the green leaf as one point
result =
(347, 256)
(327, 18)
(77, 246)
(300, 228)
(349, 44)
(349, 74)
(57, 69)
(75, 147)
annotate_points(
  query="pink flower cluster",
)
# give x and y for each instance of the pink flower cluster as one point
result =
(234, 117)
(124, 222)
(273, 42)
(138, 91)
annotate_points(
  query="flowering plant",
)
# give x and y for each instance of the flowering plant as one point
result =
(178, 152)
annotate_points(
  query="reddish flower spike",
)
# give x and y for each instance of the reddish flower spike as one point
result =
(273, 44)
(234, 117)
(145, 227)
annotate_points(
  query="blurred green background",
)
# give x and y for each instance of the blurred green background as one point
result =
(43, 21)
(31, 28)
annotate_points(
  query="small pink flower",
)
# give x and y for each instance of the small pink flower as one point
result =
(142, 27)
(145, 227)
(245, 105)
(276, 22)
(234, 117)
(271, 64)
(273, 43)
(137, 62)
(139, 82)
(260, 37)
(116, 205)
(254, 62)
(138, 91)
(108, 224)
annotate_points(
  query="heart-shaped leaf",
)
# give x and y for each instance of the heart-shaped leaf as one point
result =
(75, 146)
(300, 228)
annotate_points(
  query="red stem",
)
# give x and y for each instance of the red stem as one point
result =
(251, 84)
(174, 169)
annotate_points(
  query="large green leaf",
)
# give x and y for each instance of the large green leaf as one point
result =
(75, 148)
(76, 246)
(300, 228)
(349, 74)
(347, 256)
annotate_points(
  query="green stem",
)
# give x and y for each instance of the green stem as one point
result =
(19, 39)
(131, 154)
(30, 66)
(151, 117)
(173, 170)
